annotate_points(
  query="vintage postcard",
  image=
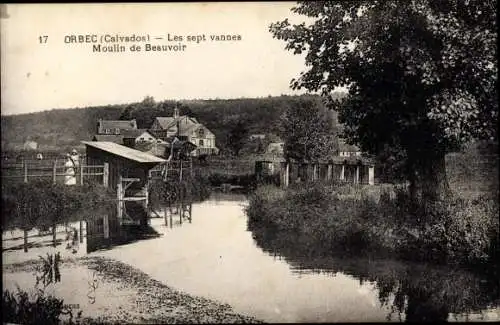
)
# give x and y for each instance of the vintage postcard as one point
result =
(249, 162)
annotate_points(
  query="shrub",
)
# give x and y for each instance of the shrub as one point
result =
(196, 188)
(457, 230)
(19, 308)
(41, 203)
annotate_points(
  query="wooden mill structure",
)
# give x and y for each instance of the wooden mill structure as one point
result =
(128, 171)
(177, 174)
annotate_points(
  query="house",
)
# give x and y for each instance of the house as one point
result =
(348, 150)
(256, 137)
(276, 148)
(185, 128)
(135, 136)
(115, 127)
(116, 138)
(30, 145)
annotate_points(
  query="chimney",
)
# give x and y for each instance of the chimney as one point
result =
(176, 112)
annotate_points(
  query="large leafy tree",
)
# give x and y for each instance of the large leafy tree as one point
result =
(421, 75)
(308, 131)
(237, 137)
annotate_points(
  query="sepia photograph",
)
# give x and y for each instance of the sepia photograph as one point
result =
(252, 162)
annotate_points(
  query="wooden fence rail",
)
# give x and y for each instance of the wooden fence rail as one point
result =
(25, 171)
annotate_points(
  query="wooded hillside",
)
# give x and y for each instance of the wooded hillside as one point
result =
(64, 128)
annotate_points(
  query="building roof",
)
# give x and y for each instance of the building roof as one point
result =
(344, 147)
(188, 129)
(275, 148)
(168, 122)
(116, 138)
(125, 152)
(134, 133)
(118, 124)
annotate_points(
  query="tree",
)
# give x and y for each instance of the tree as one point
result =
(237, 137)
(308, 131)
(421, 76)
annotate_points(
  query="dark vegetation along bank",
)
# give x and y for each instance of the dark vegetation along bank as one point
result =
(42, 204)
(382, 220)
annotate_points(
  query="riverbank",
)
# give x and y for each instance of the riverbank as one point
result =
(383, 220)
(121, 294)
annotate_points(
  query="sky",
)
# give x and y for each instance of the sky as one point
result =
(38, 75)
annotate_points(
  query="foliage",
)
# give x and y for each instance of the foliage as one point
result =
(18, 308)
(170, 191)
(308, 131)
(41, 204)
(237, 137)
(459, 230)
(22, 307)
(421, 75)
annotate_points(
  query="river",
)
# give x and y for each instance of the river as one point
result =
(275, 279)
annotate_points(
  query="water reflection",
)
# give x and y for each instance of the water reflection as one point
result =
(413, 292)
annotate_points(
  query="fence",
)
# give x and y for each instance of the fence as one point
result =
(174, 168)
(56, 171)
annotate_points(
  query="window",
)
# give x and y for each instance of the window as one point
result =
(158, 141)
(201, 142)
(117, 131)
(201, 133)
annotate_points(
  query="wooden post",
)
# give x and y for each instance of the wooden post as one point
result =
(342, 172)
(356, 175)
(25, 240)
(329, 172)
(105, 176)
(54, 172)
(180, 173)
(54, 229)
(190, 207)
(25, 171)
(287, 174)
(81, 173)
(119, 197)
(105, 223)
(81, 231)
(371, 175)
(165, 215)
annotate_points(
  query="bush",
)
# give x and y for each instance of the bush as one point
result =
(20, 309)
(457, 230)
(170, 191)
(42, 204)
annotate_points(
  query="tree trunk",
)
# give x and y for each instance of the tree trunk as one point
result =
(427, 177)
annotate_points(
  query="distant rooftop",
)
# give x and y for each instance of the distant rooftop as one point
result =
(125, 152)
